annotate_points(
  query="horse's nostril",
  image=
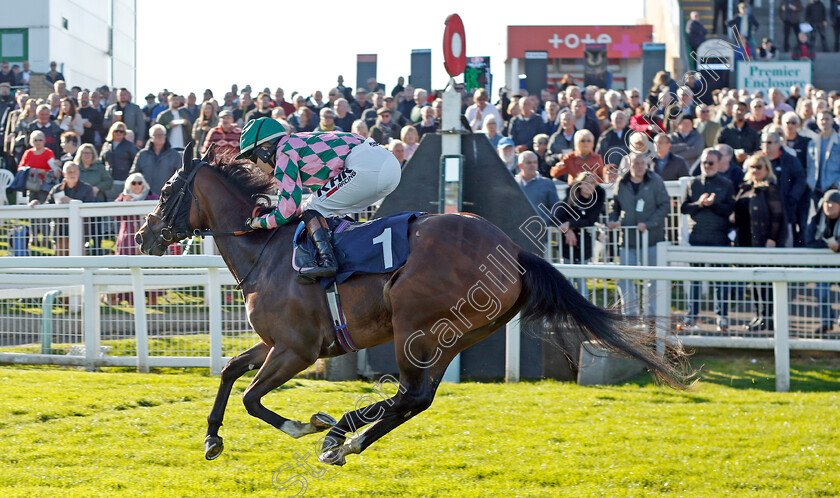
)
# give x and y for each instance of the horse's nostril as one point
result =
(138, 239)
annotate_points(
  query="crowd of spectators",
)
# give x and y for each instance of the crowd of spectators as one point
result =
(764, 164)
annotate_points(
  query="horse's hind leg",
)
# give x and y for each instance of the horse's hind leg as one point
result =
(280, 365)
(235, 368)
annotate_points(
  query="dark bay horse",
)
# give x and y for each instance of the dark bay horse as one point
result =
(464, 279)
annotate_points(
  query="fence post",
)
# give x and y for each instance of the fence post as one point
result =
(76, 229)
(208, 245)
(662, 291)
(512, 347)
(214, 307)
(141, 330)
(781, 336)
(90, 320)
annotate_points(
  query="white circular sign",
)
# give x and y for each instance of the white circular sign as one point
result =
(456, 45)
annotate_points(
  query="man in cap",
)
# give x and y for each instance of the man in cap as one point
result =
(347, 173)
(507, 153)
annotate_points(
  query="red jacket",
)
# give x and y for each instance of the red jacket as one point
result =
(226, 143)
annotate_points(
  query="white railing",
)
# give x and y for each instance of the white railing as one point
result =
(222, 318)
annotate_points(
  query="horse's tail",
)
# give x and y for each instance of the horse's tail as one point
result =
(551, 300)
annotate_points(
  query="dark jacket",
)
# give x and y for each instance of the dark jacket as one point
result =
(82, 192)
(653, 200)
(133, 118)
(752, 25)
(118, 160)
(156, 168)
(95, 118)
(710, 224)
(820, 229)
(580, 214)
(746, 138)
(800, 145)
(689, 147)
(558, 146)
(790, 10)
(523, 131)
(52, 132)
(815, 13)
(790, 178)
(759, 216)
(611, 147)
(674, 168)
(696, 33)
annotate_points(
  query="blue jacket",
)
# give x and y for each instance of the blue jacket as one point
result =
(831, 177)
(790, 177)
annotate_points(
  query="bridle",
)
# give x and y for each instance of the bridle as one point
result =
(176, 220)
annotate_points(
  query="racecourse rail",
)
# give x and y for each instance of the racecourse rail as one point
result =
(92, 276)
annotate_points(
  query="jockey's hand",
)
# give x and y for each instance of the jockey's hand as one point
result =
(253, 223)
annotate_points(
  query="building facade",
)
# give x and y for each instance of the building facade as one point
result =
(93, 41)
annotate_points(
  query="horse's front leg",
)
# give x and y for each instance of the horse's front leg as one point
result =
(235, 368)
(280, 365)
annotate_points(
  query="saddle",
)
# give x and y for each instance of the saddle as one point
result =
(377, 246)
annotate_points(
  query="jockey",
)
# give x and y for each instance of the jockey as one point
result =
(346, 173)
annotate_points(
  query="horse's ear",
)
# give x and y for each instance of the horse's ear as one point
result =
(188, 155)
(209, 155)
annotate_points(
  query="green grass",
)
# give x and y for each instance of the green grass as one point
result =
(72, 433)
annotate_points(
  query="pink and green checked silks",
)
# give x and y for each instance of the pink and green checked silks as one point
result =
(306, 159)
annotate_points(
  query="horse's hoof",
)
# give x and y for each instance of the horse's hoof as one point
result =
(213, 447)
(333, 457)
(322, 421)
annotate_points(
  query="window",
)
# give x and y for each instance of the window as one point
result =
(14, 45)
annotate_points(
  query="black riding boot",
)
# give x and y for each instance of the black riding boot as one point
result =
(316, 227)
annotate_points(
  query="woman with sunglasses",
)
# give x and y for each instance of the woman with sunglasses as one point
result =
(583, 159)
(759, 222)
(117, 152)
(41, 158)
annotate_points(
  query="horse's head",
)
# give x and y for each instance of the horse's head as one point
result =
(170, 221)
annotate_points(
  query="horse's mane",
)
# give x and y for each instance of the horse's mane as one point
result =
(249, 180)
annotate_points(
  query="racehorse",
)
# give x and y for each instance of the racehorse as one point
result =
(463, 279)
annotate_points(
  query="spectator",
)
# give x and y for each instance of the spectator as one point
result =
(759, 222)
(824, 231)
(477, 112)
(790, 12)
(201, 127)
(709, 200)
(361, 104)
(507, 153)
(385, 129)
(359, 127)
(53, 75)
(397, 148)
(720, 7)
(6, 74)
(798, 143)
(562, 141)
(526, 126)
(91, 120)
(370, 114)
(60, 89)
(279, 101)
(612, 146)
(746, 25)
(428, 124)
(225, 136)
(68, 118)
(540, 148)
(246, 105)
(50, 130)
(790, 180)
(513, 111)
(804, 50)
(25, 75)
(302, 119)
(410, 138)
(646, 121)
(582, 207)
(420, 100)
(834, 15)
(758, 118)
(777, 102)
(93, 172)
(69, 145)
(71, 188)
(823, 168)
(696, 32)
(136, 189)
(41, 158)
(158, 161)
(327, 121)
(262, 110)
(686, 142)
(127, 112)
(550, 122)
(743, 139)
(583, 159)
(12, 120)
(540, 191)
(117, 152)
(176, 122)
(405, 101)
(707, 128)
(343, 117)
(54, 101)
(767, 51)
(583, 120)
(491, 129)
(17, 127)
(815, 15)
(666, 164)
(726, 167)
(375, 87)
(641, 201)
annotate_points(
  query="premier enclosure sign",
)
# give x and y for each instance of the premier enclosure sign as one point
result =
(756, 75)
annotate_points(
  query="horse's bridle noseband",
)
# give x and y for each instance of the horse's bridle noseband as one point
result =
(176, 224)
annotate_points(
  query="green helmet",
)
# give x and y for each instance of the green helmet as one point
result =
(258, 131)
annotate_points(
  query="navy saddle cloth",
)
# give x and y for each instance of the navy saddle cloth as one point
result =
(377, 246)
